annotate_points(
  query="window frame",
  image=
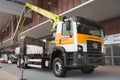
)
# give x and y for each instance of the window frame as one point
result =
(64, 29)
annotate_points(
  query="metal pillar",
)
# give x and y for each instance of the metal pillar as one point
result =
(16, 33)
(112, 55)
(12, 25)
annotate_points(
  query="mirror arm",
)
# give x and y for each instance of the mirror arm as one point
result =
(70, 34)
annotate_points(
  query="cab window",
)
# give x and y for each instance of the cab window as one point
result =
(64, 30)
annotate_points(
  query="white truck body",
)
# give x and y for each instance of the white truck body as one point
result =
(31, 49)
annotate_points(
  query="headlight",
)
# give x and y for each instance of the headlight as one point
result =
(80, 48)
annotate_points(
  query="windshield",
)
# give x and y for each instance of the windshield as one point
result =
(90, 30)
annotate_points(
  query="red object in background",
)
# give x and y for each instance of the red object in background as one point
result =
(2, 60)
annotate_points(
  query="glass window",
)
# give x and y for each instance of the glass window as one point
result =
(116, 50)
(90, 30)
(117, 61)
(108, 61)
(65, 32)
(108, 50)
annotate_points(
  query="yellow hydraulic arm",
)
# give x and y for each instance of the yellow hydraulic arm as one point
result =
(50, 15)
(55, 18)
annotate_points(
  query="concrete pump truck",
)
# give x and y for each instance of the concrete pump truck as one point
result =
(77, 44)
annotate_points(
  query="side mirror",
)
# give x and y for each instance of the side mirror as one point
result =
(68, 26)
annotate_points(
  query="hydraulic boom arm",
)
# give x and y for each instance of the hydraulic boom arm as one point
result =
(50, 15)
(55, 18)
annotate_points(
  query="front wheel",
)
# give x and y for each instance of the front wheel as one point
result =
(58, 67)
(87, 70)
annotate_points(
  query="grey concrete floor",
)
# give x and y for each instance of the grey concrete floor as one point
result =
(101, 73)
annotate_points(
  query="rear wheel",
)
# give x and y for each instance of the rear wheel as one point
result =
(87, 70)
(58, 67)
(21, 64)
(24, 65)
(18, 63)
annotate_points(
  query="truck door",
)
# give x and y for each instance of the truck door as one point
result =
(66, 38)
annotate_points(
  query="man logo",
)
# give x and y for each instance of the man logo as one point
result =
(95, 45)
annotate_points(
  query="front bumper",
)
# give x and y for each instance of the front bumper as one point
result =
(77, 60)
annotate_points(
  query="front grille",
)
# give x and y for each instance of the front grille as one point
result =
(93, 46)
(94, 51)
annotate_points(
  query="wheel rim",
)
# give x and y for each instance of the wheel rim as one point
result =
(58, 67)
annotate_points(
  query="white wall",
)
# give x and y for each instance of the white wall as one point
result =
(11, 7)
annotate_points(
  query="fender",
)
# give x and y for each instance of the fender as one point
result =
(59, 48)
(53, 53)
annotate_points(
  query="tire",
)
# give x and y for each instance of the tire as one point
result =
(12, 61)
(58, 68)
(43, 64)
(23, 65)
(87, 70)
(18, 63)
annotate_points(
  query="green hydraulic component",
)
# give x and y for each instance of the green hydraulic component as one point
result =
(55, 18)
(48, 14)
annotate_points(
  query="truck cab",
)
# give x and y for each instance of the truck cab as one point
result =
(81, 42)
